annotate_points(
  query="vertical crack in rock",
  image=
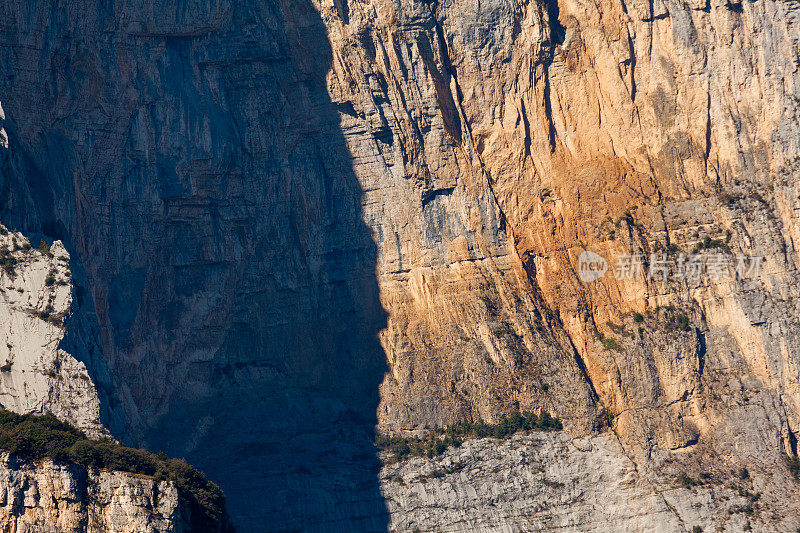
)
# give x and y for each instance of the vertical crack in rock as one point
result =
(272, 199)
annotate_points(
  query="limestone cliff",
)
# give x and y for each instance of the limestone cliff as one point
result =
(37, 374)
(52, 497)
(289, 222)
(550, 482)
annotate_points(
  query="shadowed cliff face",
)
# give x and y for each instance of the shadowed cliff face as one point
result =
(192, 161)
(197, 161)
(234, 182)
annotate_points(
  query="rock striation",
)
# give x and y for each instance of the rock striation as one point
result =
(291, 222)
(36, 373)
(48, 496)
(551, 482)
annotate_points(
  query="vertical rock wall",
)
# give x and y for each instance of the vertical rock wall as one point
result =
(290, 221)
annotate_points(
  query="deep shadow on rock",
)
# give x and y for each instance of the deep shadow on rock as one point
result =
(194, 165)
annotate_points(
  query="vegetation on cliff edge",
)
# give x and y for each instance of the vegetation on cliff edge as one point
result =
(437, 441)
(46, 437)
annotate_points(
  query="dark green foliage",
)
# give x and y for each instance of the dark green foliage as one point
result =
(748, 509)
(38, 437)
(697, 529)
(44, 249)
(610, 343)
(50, 278)
(6, 367)
(686, 481)
(436, 474)
(7, 261)
(48, 315)
(708, 243)
(619, 329)
(678, 322)
(436, 442)
(638, 318)
(793, 464)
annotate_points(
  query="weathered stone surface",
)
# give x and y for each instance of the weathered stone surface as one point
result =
(36, 373)
(638, 131)
(48, 497)
(290, 221)
(551, 482)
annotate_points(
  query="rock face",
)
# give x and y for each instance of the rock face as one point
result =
(550, 482)
(40, 375)
(37, 373)
(52, 497)
(288, 222)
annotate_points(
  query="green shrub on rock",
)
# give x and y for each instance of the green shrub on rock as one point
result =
(435, 443)
(46, 437)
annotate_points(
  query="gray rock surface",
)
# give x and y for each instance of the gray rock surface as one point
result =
(50, 497)
(288, 222)
(552, 482)
(37, 373)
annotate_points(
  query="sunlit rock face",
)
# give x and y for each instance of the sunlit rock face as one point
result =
(39, 371)
(46, 496)
(289, 222)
